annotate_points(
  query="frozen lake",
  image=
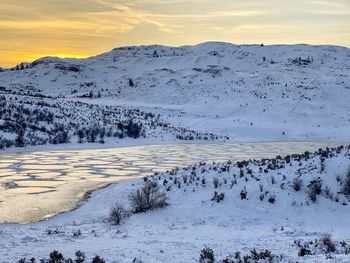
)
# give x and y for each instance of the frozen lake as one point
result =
(38, 185)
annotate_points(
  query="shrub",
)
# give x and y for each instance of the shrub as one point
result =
(218, 197)
(56, 257)
(261, 187)
(297, 183)
(263, 255)
(216, 182)
(317, 186)
(76, 233)
(207, 255)
(304, 250)
(272, 199)
(255, 256)
(53, 231)
(243, 194)
(80, 257)
(273, 180)
(97, 259)
(118, 214)
(262, 196)
(147, 198)
(266, 255)
(315, 189)
(133, 129)
(328, 193)
(328, 244)
(346, 186)
(312, 195)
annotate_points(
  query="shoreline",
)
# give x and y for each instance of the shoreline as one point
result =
(85, 195)
(98, 146)
(190, 220)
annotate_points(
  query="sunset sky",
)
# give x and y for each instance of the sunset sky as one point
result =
(30, 29)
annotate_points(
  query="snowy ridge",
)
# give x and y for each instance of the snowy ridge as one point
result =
(248, 92)
(155, 67)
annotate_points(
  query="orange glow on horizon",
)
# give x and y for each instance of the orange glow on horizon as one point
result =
(33, 29)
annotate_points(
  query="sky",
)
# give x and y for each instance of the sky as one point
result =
(30, 29)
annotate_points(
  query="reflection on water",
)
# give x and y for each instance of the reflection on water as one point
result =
(37, 185)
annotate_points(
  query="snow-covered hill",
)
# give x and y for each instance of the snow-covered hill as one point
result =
(249, 92)
(206, 72)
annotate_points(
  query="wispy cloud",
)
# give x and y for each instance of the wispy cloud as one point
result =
(34, 28)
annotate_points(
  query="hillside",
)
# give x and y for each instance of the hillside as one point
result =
(246, 92)
(296, 207)
(37, 120)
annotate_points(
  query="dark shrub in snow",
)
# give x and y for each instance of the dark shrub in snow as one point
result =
(346, 185)
(254, 257)
(147, 198)
(304, 250)
(315, 188)
(297, 183)
(272, 199)
(328, 244)
(218, 197)
(80, 257)
(207, 255)
(216, 182)
(118, 214)
(57, 257)
(243, 194)
(133, 129)
(97, 259)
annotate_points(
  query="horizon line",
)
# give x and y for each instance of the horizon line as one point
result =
(81, 57)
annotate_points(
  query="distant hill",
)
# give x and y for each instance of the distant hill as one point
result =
(250, 92)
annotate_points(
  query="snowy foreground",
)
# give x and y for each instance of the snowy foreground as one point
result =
(258, 204)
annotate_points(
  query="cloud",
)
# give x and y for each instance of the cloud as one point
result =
(34, 28)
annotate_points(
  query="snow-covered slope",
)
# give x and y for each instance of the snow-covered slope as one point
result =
(274, 214)
(209, 71)
(37, 120)
(250, 92)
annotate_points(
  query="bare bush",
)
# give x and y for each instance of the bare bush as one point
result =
(297, 183)
(346, 186)
(147, 198)
(273, 180)
(261, 187)
(216, 182)
(328, 244)
(312, 195)
(315, 189)
(328, 193)
(118, 214)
